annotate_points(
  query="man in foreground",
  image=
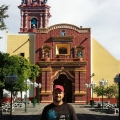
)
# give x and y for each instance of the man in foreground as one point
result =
(58, 110)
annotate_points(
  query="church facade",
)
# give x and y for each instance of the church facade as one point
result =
(62, 51)
(65, 53)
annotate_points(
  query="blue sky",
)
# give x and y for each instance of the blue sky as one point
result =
(102, 16)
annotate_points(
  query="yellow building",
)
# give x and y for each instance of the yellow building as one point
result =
(103, 64)
(21, 44)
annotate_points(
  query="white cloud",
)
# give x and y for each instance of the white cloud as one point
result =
(102, 16)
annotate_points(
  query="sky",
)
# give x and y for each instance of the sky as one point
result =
(102, 16)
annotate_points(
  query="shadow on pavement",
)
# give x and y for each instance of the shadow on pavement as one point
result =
(82, 114)
(80, 117)
(97, 109)
(21, 117)
(96, 117)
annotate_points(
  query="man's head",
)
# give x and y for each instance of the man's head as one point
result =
(58, 93)
(58, 87)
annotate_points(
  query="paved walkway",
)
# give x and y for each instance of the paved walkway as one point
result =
(84, 112)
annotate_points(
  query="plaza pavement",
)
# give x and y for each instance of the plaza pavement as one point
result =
(84, 112)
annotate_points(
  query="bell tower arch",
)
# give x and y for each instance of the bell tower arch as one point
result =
(34, 14)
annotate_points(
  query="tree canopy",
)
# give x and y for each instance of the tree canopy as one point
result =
(3, 16)
(98, 90)
(109, 91)
(16, 65)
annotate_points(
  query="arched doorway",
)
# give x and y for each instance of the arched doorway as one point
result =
(63, 80)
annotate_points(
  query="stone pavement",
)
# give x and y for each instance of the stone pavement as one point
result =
(84, 112)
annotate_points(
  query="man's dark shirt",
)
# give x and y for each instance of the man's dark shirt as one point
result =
(62, 112)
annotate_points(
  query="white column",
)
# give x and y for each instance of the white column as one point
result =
(26, 20)
(43, 53)
(41, 22)
(39, 2)
(21, 20)
(45, 20)
(28, 2)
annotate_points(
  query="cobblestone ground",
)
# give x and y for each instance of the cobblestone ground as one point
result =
(84, 112)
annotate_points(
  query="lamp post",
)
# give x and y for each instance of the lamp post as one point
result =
(117, 80)
(39, 86)
(11, 80)
(92, 85)
(87, 86)
(34, 86)
(103, 83)
(93, 74)
(27, 82)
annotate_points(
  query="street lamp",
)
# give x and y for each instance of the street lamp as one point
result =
(87, 86)
(117, 80)
(103, 83)
(27, 82)
(93, 74)
(92, 85)
(34, 86)
(39, 86)
(11, 80)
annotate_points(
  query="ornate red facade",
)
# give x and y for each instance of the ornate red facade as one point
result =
(62, 52)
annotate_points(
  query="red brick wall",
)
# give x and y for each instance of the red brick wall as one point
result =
(45, 39)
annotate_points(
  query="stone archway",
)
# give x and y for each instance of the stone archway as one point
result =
(67, 83)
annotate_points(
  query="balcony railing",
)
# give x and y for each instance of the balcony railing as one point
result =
(62, 59)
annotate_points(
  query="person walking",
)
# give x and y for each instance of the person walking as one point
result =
(58, 110)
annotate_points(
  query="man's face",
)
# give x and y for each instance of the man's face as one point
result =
(58, 95)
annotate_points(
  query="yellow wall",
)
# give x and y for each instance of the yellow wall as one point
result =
(104, 65)
(21, 43)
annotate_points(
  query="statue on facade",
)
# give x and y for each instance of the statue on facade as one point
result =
(79, 54)
(46, 54)
(22, 1)
(45, 1)
(63, 33)
(34, 23)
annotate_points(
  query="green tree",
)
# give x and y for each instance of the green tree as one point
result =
(24, 70)
(34, 71)
(98, 90)
(3, 15)
(3, 57)
(111, 91)
(18, 65)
